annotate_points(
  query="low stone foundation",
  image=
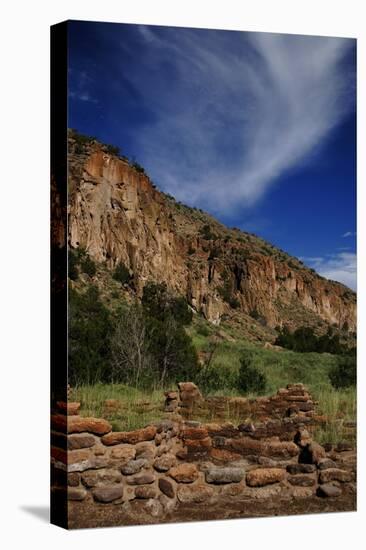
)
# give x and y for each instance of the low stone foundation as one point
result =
(153, 473)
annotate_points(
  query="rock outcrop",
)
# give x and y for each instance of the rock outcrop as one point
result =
(118, 215)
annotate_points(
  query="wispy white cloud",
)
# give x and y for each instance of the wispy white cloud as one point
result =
(82, 83)
(82, 96)
(340, 267)
(232, 114)
(349, 234)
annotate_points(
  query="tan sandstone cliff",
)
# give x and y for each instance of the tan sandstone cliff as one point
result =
(117, 215)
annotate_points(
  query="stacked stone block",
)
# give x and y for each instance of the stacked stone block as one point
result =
(175, 463)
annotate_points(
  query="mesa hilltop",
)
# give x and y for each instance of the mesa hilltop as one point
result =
(118, 216)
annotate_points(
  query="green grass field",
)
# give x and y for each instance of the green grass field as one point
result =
(139, 407)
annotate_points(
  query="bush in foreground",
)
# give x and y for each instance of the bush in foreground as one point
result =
(344, 374)
(250, 378)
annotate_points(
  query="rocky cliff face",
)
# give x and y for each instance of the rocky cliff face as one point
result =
(117, 215)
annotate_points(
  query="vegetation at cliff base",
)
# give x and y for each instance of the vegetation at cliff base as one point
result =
(305, 340)
(344, 374)
(121, 273)
(250, 378)
(143, 345)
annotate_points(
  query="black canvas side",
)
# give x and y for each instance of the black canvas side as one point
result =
(58, 268)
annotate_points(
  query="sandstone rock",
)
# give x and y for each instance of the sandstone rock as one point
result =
(227, 429)
(141, 479)
(87, 463)
(134, 466)
(222, 455)
(264, 476)
(76, 493)
(334, 474)
(220, 476)
(80, 441)
(171, 395)
(145, 450)
(187, 386)
(198, 446)
(245, 446)
(159, 438)
(164, 463)
(164, 448)
(194, 433)
(300, 468)
(164, 425)
(182, 454)
(260, 493)
(73, 479)
(192, 423)
(144, 434)
(326, 463)
(96, 478)
(301, 480)
(281, 449)
(108, 494)
(296, 387)
(184, 473)
(166, 487)
(124, 453)
(329, 490)
(145, 492)
(99, 450)
(98, 426)
(79, 455)
(194, 493)
(301, 398)
(263, 461)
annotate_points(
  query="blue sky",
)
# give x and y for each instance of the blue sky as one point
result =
(259, 129)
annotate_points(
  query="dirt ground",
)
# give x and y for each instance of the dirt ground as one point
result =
(85, 515)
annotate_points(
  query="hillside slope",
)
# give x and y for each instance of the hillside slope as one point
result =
(118, 215)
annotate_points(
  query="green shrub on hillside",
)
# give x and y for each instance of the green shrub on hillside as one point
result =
(121, 273)
(140, 169)
(142, 345)
(90, 330)
(113, 150)
(73, 271)
(234, 302)
(207, 233)
(88, 266)
(344, 374)
(250, 378)
(161, 304)
(150, 344)
(305, 340)
(80, 261)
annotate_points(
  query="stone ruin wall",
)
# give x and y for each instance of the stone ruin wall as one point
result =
(179, 460)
